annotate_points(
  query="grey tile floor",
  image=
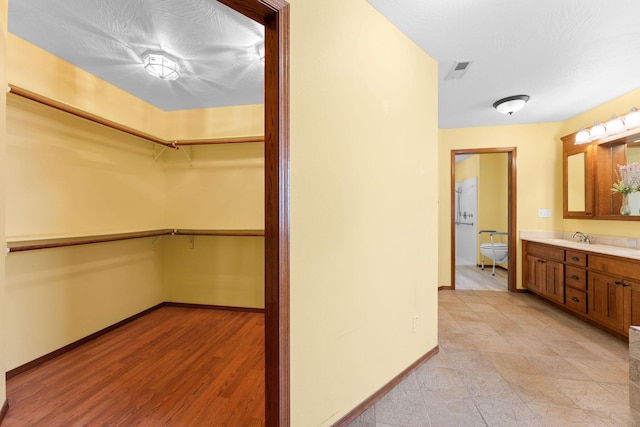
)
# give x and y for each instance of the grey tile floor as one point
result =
(510, 360)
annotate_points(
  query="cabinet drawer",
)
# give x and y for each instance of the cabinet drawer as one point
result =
(576, 258)
(546, 252)
(576, 277)
(615, 266)
(576, 300)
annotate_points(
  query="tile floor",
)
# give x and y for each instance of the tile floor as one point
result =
(471, 277)
(510, 360)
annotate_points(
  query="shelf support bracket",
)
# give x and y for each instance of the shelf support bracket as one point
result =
(188, 155)
(157, 156)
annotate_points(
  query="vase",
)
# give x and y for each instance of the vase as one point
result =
(625, 209)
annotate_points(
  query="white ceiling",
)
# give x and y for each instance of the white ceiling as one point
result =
(568, 55)
(217, 47)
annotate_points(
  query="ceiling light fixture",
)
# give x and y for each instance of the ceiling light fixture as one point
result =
(161, 65)
(510, 104)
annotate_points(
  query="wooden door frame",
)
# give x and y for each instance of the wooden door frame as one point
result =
(511, 208)
(274, 15)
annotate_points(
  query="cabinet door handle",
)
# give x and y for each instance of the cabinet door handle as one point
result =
(541, 261)
(574, 299)
(617, 282)
(574, 277)
(625, 284)
(575, 258)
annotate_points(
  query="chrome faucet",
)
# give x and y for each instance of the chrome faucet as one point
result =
(582, 237)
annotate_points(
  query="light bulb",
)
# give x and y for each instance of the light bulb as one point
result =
(582, 137)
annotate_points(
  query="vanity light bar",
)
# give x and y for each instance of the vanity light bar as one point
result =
(615, 125)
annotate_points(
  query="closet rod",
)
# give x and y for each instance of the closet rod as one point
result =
(237, 140)
(91, 117)
(231, 233)
(113, 125)
(60, 243)
(76, 241)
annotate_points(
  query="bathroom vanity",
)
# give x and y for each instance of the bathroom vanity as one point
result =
(598, 283)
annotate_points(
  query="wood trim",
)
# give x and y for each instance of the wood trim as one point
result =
(212, 307)
(444, 288)
(42, 359)
(277, 356)
(511, 206)
(452, 222)
(371, 400)
(24, 93)
(4, 410)
(274, 15)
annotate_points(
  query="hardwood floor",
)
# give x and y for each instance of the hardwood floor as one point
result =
(172, 367)
(471, 277)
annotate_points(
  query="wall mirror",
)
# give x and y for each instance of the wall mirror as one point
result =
(589, 173)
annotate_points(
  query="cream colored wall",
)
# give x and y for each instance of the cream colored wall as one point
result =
(363, 206)
(620, 106)
(539, 178)
(3, 299)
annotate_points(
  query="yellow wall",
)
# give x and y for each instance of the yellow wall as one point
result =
(222, 187)
(227, 271)
(620, 106)
(491, 171)
(3, 83)
(468, 168)
(72, 177)
(493, 195)
(539, 178)
(363, 206)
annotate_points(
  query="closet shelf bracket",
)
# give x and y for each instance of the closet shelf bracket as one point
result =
(157, 156)
(188, 155)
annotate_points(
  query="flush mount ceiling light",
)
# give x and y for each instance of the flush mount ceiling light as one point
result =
(161, 65)
(510, 104)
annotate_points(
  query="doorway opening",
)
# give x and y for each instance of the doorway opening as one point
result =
(471, 209)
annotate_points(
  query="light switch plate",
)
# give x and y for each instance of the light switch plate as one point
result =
(544, 213)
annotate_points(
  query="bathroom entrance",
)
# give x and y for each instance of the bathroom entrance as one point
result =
(483, 201)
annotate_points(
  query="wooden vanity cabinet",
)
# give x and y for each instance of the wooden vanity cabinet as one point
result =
(606, 300)
(545, 271)
(601, 288)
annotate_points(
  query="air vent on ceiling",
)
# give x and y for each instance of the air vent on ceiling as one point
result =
(458, 69)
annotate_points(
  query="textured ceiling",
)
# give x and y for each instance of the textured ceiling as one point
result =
(216, 46)
(568, 55)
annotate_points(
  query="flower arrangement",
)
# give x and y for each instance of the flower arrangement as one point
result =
(628, 179)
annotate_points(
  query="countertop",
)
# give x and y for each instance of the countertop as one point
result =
(560, 239)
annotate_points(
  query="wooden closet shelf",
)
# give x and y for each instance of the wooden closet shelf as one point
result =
(21, 246)
(126, 129)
